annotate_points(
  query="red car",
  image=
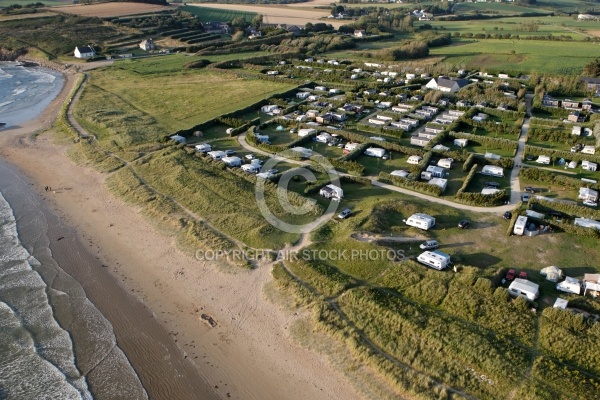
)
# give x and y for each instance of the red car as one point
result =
(523, 275)
(510, 275)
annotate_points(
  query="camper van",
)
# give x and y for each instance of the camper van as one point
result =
(569, 285)
(232, 161)
(520, 224)
(492, 170)
(251, 168)
(375, 152)
(434, 259)
(421, 221)
(524, 288)
(203, 148)
(217, 155)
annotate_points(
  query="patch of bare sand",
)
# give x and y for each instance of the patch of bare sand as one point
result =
(248, 353)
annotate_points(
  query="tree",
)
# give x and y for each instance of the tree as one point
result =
(239, 23)
(592, 69)
(257, 21)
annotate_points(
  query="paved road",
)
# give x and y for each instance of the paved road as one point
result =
(515, 185)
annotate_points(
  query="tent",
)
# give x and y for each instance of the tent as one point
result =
(553, 274)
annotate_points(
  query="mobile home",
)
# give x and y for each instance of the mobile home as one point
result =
(434, 259)
(306, 132)
(203, 148)
(251, 168)
(520, 224)
(332, 192)
(524, 288)
(569, 285)
(232, 161)
(587, 223)
(543, 160)
(414, 160)
(217, 155)
(375, 152)
(421, 221)
(445, 163)
(492, 170)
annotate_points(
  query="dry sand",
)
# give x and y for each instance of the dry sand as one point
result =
(249, 354)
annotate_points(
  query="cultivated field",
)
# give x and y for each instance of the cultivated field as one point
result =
(205, 14)
(278, 14)
(112, 9)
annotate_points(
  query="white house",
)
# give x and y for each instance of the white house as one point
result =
(375, 152)
(461, 142)
(332, 192)
(589, 150)
(414, 160)
(543, 160)
(421, 221)
(306, 132)
(589, 166)
(520, 224)
(588, 194)
(232, 161)
(440, 182)
(84, 52)
(445, 84)
(434, 259)
(147, 45)
(524, 288)
(492, 170)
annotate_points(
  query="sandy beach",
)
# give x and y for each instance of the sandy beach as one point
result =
(247, 355)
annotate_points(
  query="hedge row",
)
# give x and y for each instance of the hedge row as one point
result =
(409, 184)
(467, 180)
(569, 209)
(503, 114)
(484, 200)
(541, 175)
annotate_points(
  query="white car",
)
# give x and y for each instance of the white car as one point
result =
(590, 203)
(429, 245)
(249, 156)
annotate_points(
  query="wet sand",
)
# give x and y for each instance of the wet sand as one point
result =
(154, 295)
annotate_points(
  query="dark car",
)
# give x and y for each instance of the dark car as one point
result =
(510, 275)
(464, 224)
(507, 215)
(494, 185)
(529, 189)
(273, 171)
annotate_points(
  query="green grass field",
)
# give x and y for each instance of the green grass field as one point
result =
(205, 14)
(497, 55)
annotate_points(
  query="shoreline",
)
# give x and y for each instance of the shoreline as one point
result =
(248, 354)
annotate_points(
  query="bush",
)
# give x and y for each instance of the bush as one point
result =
(409, 184)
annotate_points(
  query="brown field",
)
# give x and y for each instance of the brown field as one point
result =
(280, 14)
(594, 33)
(111, 9)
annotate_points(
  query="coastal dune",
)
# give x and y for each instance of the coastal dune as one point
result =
(159, 300)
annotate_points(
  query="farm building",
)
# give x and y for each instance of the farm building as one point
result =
(588, 194)
(147, 45)
(588, 150)
(589, 166)
(332, 192)
(414, 160)
(84, 52)
(421, 221)
(434, 259)
(524, 288)
(440, 182)
(492, 170)
(461, 142)
(520, 224)
(543, 160)
(375, 152)
(232, 161)
(552, 273)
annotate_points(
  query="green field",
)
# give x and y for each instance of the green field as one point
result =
(50, 3)
(528, 56)
(205, 14)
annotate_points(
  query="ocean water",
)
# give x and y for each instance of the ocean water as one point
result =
(54, 343)
(26, 91)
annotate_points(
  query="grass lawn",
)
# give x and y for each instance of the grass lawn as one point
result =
(375, 165)
(528, 56)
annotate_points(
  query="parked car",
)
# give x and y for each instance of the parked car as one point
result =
(525, 197)
(464, 224)
(229, 152)
(529, 189)
(429, 245)
(273, 171)
(522, 275)
(590, 203)
(493, 185)
(345, 212)
(249, 156)
(510, 275)
(507, 215)
(529, 157)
